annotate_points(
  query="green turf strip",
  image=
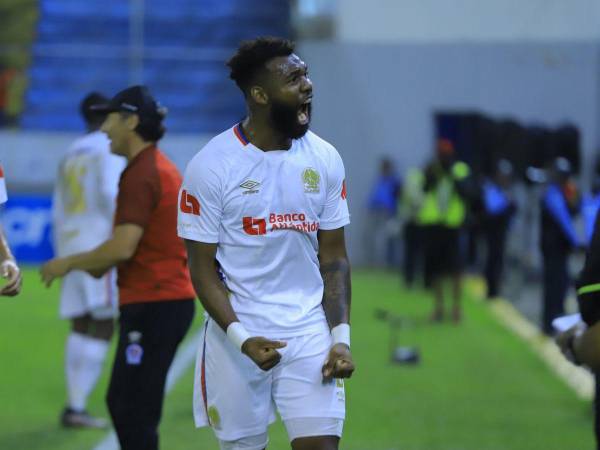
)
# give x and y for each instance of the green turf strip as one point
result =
(477, 388)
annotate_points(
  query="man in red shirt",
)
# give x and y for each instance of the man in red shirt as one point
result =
(155, 291)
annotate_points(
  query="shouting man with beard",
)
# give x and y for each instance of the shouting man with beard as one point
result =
(262, 211)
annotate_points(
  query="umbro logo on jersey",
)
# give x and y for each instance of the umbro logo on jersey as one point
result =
(249, 185)
(189, 204)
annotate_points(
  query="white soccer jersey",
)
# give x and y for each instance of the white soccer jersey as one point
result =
(84, 194)
(264, 210)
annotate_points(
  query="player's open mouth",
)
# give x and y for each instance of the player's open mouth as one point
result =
(304, 112)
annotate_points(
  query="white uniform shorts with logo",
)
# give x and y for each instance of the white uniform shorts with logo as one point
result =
(238, 399)
(83, 294)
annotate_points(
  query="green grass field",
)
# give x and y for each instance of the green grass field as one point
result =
(477, 388)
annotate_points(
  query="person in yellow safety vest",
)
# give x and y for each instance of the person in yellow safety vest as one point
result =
(442, 215)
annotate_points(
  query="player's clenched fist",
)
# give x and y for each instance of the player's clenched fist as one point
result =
(263, 351)
(11, 272)
(339, 363)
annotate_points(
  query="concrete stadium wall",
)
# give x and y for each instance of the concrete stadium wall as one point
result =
(429, 21)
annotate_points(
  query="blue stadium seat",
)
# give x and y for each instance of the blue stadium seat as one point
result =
(197, 91)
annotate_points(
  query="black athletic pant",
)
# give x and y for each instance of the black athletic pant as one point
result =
(148, 338)
(597, 411)
(495, 236)
(556, 285)
(412, 252)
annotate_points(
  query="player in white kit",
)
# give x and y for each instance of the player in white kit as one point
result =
(8, 265)
(263, 209)
(82, 211)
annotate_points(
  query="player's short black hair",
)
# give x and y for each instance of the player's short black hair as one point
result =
(251, 57)
(91, 116)
(151, 132)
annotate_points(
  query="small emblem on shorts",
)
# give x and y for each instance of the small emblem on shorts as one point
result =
(213, 417)
(311, 179)
(133, 354)
(249, 185)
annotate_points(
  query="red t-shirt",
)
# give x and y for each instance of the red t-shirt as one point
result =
(148, 192)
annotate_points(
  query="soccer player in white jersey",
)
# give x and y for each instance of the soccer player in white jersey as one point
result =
(262, 211)
(82, 211)
(8, 265)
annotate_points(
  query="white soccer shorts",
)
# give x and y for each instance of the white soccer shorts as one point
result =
(238, 399)
(83, 294)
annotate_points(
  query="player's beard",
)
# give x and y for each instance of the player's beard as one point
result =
(284, 119)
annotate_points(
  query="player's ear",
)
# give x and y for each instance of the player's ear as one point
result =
(132, 121)
(259, 95)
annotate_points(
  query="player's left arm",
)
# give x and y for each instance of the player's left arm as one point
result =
(119, 248)
(335, 270)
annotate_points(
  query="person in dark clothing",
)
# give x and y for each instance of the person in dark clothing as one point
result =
(499, 207)
(581, 344)
(443, 215)
(156, 296)
(590, 204)
(560, 204)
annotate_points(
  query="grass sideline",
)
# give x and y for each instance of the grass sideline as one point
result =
(478, 387)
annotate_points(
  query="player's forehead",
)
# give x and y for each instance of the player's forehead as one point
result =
(283, 66)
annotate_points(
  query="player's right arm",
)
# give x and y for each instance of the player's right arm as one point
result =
(198, 222)
(210, 289)
(214, 297)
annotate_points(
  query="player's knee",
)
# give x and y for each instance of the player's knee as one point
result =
(314, 433)
(258, 442)
(81, 324)
(103, 329)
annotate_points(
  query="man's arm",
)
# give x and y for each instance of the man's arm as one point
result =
(335, 270)
(583, 347)
(9, 269)
(210, 289)
(120, 247)
(214, 297)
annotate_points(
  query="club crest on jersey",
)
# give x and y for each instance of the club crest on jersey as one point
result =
(214, 418)
(311, 179)
(133, 354)
(249, 185)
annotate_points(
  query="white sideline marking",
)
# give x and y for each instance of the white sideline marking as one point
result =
(577, 378)
(183, 359)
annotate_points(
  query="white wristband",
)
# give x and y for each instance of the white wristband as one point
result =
(341, 334)
(237, 334)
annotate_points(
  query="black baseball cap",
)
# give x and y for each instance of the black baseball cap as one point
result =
(135, 100)
(87, 106)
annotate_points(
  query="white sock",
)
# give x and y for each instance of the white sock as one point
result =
(84, 358)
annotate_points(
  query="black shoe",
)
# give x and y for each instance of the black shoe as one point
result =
(81, 419)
